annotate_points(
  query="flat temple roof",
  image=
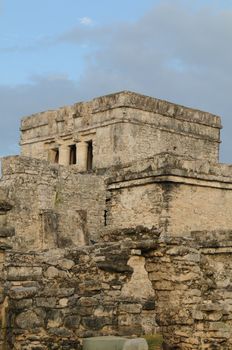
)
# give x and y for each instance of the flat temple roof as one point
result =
(128, 99)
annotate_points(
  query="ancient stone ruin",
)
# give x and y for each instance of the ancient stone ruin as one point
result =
(116, 219)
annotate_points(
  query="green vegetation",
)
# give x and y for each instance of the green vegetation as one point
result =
(154, 341)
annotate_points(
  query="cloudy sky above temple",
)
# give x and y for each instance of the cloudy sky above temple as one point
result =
(58, 52)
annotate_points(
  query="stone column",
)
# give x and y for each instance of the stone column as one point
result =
(82, 154)
(64, 155)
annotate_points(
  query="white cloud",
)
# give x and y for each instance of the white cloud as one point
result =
(41, 94)
(87, 21)
(172, 53)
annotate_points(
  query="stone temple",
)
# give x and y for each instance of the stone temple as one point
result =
(116, 219)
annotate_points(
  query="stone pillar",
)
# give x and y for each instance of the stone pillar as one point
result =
(64, 155)
(82, 154)
(51, 155)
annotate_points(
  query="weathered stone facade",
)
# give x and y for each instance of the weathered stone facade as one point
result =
(123, 126)
(116, 220)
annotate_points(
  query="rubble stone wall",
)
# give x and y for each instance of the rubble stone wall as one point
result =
(58, 297)
(179, 286)
(52, 206)
(192, 282)
(55, 206)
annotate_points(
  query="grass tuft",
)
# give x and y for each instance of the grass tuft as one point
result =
(154, 341)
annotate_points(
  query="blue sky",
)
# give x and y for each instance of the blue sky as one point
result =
(26, 24)
(57, 52)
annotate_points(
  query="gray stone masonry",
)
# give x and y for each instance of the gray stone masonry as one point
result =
(116, 219)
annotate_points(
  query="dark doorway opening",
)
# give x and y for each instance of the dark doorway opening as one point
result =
(56, 155)
(105, 217)
(90, 155)
(73, 154)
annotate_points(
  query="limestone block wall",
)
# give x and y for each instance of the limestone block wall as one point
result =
(58, 297)
(179, 286)
(137, 205)
(192, 282)
(163, 133)
(6, 232)
(52, 206)
(204, 208)
(39, 152)
(129, 142)
(55, 206)
(165, 189)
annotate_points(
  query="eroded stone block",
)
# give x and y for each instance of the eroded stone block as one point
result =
(103, 343)
(135, 344)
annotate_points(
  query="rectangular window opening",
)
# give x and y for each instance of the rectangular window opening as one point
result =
(73, 155)
(105, 217)
(56, 155)
(53, 155)
(90, 155)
